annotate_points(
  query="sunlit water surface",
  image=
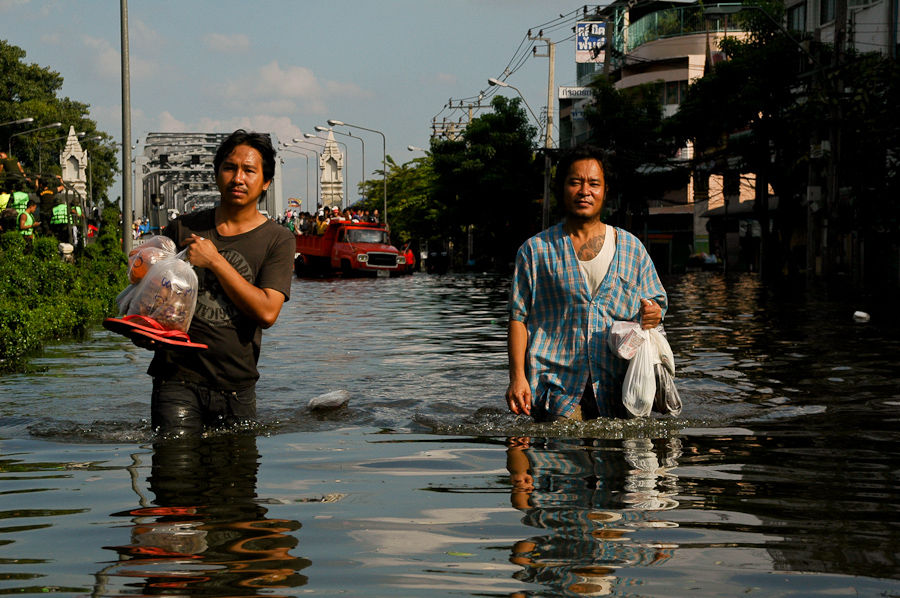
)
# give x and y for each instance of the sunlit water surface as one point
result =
(780, 478)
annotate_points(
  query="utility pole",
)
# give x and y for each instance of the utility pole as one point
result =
(830, 252)
(548, 138)
(126, 133)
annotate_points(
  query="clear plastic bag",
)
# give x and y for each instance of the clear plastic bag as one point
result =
(639, 387)
(148, 253)
(666, 399)
(167, 294)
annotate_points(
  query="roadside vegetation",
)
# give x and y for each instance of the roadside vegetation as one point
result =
(43, 298)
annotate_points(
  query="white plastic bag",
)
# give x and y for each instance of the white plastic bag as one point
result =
(662, 346)
(167, 294)
(625, 338)
(639, 387)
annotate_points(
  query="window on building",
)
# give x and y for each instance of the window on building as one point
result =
(826, 11)
(673, 92)
(796, 17)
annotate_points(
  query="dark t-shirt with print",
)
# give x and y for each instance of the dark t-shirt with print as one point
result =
(264, 256)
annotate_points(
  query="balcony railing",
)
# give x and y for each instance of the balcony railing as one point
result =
(674, 22)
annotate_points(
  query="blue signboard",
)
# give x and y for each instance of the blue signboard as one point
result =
(590, 41)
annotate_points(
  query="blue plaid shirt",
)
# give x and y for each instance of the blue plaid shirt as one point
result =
(567, 328)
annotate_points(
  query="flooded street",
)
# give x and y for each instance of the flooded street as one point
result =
(780, 478)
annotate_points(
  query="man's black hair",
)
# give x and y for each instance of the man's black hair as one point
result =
(257, 141)
(582, 151)
(30, 203)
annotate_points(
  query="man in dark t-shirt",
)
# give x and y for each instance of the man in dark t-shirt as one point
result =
(244, 266)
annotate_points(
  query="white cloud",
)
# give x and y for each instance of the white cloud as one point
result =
(445, 79)
(107, 61)
(287, 90)
(140, 32)
(282, 126)
(170, 124)
(6, 5)
(227, 44)
(50, 39)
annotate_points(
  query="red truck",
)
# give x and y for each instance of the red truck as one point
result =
(353, 248)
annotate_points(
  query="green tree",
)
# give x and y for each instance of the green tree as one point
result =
(628, 123)
(869, 159)
(412, 213)
(756, 113)
(488, 180)
(30, 90)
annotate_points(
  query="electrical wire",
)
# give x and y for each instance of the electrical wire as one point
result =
(524, 51)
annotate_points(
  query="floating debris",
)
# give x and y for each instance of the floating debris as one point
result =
(330, 400)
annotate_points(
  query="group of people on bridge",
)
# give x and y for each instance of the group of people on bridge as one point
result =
(35, 204)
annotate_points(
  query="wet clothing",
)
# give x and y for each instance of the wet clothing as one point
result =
(264, 256)
(176, 406)
(568, 326)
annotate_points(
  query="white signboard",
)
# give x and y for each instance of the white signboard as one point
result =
(575, 93)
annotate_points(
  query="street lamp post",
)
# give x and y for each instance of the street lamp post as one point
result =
(499, 83)
(347, 159)
(286, 148)
(53, 126)
(316, 152)
(21, 121)
(337, 123)
(413, 148)
(362, 180)
(548, 142)
(91, 173)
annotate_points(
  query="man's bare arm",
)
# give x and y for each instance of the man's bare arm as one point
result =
(518, 394)
(262, 305)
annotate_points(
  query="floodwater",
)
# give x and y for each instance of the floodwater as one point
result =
(780, 478)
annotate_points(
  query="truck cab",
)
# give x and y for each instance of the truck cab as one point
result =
(352, 248)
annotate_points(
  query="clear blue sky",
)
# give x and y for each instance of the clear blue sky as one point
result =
(283, 67)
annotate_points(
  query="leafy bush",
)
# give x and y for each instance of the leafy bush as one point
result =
(43, 298)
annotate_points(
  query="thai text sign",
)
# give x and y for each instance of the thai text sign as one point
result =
(590, 41)
(575, 93)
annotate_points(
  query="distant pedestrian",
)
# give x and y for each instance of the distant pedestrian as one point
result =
(59, 220)
(27, 224)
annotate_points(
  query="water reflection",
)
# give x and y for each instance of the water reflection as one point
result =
(587, 497)
(204, 531)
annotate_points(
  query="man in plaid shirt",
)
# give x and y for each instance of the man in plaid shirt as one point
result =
(571, 282)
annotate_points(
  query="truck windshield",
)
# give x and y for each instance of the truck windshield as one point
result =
(357, 235)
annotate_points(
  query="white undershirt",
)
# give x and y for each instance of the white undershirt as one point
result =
(595, 269)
